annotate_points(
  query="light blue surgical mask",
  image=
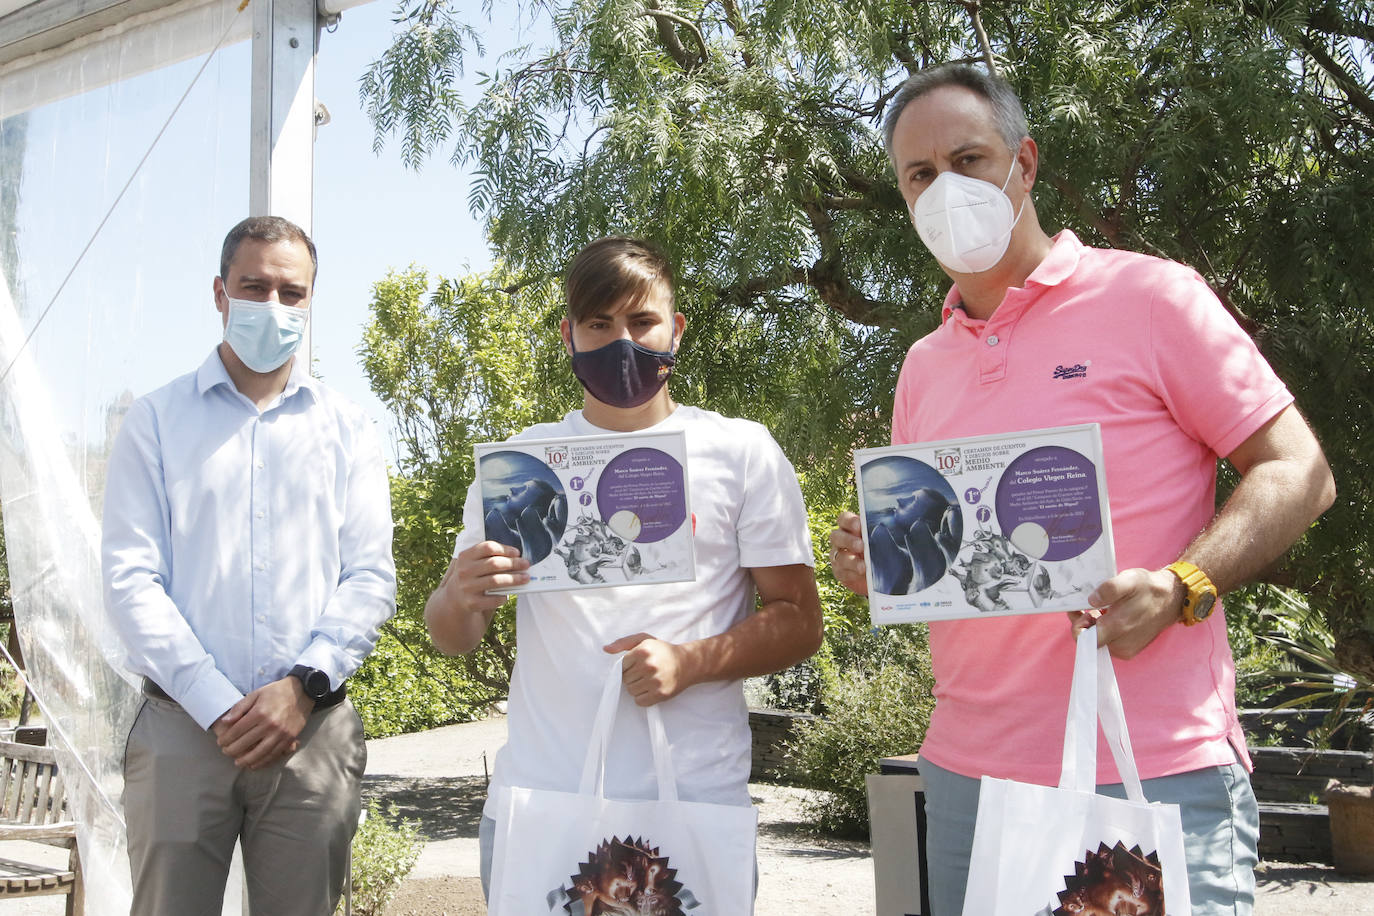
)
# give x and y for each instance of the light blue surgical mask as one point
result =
(264, 334)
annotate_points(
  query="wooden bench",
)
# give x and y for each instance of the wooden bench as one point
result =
(33, 806)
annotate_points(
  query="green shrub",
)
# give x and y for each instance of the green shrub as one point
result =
(405, 686)
(385, 849)
(797, 688)
(870, 713)
(11, 692)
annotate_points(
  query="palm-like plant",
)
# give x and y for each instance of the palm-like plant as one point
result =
(1302, 632)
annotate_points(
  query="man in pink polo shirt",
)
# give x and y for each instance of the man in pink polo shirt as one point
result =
(1042, 331)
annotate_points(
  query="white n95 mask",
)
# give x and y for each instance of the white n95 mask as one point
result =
(965, 222)
(264, 334)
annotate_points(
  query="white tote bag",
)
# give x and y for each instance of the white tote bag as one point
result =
(583, 854)
(1054, 851)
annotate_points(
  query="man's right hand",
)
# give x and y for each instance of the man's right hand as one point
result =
(459, 610)
(263, 727)
(847, 554)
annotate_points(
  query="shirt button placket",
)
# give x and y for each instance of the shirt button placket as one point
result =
(260, 646)
(992, 362)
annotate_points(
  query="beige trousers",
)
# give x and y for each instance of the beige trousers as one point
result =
(186, 804)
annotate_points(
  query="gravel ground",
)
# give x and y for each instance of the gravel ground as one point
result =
(436, 778)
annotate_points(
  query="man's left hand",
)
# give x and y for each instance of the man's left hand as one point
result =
(1133, 607)
(264, 725)
(653, 670)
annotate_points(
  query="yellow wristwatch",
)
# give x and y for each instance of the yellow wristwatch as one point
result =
(1202, 594)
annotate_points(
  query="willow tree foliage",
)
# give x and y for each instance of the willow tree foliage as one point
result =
(742, 135)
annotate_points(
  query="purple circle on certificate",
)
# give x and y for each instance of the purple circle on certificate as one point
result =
(1048, 504)
(640, 495)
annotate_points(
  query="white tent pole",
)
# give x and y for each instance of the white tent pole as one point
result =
(281, 158)
(281, 153)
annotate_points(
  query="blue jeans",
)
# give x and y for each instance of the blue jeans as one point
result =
(1220, 834)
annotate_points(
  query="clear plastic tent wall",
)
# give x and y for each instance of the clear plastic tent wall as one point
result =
(136, 312)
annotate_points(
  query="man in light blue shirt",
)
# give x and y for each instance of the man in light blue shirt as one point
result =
(247, 568)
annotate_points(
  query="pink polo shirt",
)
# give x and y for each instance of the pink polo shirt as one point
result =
(1143, 347)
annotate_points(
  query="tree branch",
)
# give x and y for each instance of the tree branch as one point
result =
(1247, 324)
(665, 20)
(1329, 21)
(1234, 276)
(1354, 92)
(733, 16)
(738, 25)
(906, 57)
(513, 288)
(1108, 229)
(756, 286)
(973, 7)
(827, 276)
(1128, 180)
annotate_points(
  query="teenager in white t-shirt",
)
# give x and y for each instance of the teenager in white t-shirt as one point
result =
(687, 645)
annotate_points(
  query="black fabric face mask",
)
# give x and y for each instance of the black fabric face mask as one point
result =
(623, 373)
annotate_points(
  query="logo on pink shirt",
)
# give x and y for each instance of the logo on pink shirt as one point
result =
(1077, 370)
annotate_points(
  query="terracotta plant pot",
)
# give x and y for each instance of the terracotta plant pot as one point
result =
(1352, 827)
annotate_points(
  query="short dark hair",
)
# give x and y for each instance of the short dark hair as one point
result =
(265, 229)
(1006, 107)
(615, 270)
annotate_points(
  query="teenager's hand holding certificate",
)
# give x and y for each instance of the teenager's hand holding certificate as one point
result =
(590, 511)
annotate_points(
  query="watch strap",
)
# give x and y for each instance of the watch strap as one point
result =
(1201, 594)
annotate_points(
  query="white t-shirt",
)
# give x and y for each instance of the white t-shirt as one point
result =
(747, 512)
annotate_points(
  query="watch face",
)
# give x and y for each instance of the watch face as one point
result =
(316, 683)
(1205, 602)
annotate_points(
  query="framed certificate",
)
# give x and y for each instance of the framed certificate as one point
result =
(591, 511)
(985, 526)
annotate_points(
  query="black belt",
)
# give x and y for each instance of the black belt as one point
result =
(333, 698)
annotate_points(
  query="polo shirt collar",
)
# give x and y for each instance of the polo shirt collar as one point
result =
(212, 374)
(1057, 267)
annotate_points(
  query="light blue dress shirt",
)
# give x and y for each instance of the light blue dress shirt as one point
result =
(238, 544)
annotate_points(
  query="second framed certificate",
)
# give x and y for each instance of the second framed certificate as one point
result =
(985, 526)
(591, 511)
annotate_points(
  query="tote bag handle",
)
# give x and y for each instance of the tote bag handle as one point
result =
(1093, 697)
(594, 767)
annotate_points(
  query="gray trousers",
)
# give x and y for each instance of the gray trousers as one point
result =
(186, 804)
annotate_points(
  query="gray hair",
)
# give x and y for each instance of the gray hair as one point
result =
(270, 229)
(1006, 107)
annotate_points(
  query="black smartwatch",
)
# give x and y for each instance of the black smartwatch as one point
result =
(313, 680)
